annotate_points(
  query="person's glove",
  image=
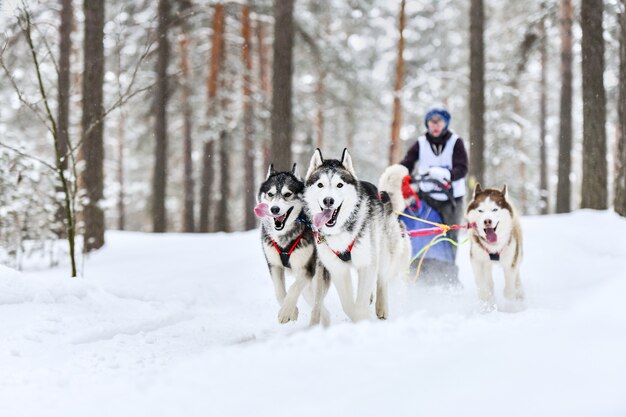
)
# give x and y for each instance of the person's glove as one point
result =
(440, 174)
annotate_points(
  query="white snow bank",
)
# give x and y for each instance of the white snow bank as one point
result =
(185, 325)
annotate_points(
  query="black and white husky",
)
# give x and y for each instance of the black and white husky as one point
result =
(495, 238)
(288, 245)
(357, 227)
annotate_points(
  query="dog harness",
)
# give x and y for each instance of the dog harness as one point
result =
(345, 256)
(285, 254)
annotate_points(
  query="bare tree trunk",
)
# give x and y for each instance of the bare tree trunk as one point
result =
(477, 91)
(620, 156)
(396, 121)
(121, 126)
(319, 115)
(265, 90)
(65, 51)
(205, 186)
(69, 195)
(280, 150)
(92, 149)
(188, 195)
(159, 215)
(594, 180)
(212, 83)
(564, 188)
(521, 162)
(543, 169)
(248, 119)
(221, 218)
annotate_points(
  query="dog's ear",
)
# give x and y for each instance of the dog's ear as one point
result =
(346, 161)
(316, 161)
(294, 171)
(270, 171)
(477, 189)
(505, 192)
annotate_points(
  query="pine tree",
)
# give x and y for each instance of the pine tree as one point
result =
(594, 180)
(477, 91)
(282, 74)
(92, 149)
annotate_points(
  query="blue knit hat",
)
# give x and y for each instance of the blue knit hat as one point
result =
(440, 112)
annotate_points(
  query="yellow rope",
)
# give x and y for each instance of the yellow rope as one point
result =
(441, 237)
(443, 226)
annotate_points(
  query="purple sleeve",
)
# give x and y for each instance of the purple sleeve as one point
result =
(459, 161)
(411, 157)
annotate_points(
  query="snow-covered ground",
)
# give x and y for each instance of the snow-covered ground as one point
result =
(185, 325)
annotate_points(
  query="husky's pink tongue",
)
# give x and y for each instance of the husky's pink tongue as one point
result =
(322, 218)
(491, 235)
(261, 210)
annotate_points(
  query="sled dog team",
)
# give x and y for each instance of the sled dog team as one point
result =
(322, 227)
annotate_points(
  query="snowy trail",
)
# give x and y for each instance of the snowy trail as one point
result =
(185, 325)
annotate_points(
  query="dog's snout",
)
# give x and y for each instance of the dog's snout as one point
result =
(329, 201)
(275, 209)
(488, 222)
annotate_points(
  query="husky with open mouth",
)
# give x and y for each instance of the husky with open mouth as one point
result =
(288, 245)
(356, 227)
(496, 237)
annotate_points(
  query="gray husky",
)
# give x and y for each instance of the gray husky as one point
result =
(355, 226)
(288, 245)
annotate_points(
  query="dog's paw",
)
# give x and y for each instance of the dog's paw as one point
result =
(325, 316)
(516, 294)
(287, 313)
(360, 314)
(382, 312)
(316, 317)
(486, 307)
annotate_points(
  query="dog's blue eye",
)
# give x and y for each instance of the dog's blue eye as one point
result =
(340, 185)
(320, 185)
(480, 211)
(495, 209)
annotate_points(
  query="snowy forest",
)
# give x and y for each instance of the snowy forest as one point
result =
(163, 116)
(136, 137)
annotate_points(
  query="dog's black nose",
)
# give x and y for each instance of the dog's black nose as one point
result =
(275, 209)
(329, 201)
(488, 223)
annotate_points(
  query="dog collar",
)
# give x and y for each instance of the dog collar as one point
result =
(304, 221)
(286, 254)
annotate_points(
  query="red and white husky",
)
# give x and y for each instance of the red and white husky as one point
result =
(495, 238)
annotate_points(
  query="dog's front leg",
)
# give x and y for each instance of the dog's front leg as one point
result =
(382, 305)
(289, 310)
(343, 284)
(484, 283)
(512, 284)
(278, 278)
(367, 283)
(319, 284)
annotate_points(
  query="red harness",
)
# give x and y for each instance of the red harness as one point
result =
(285, 254)
(344, 256)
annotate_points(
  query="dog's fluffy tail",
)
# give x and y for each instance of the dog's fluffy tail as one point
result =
(391, 183)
